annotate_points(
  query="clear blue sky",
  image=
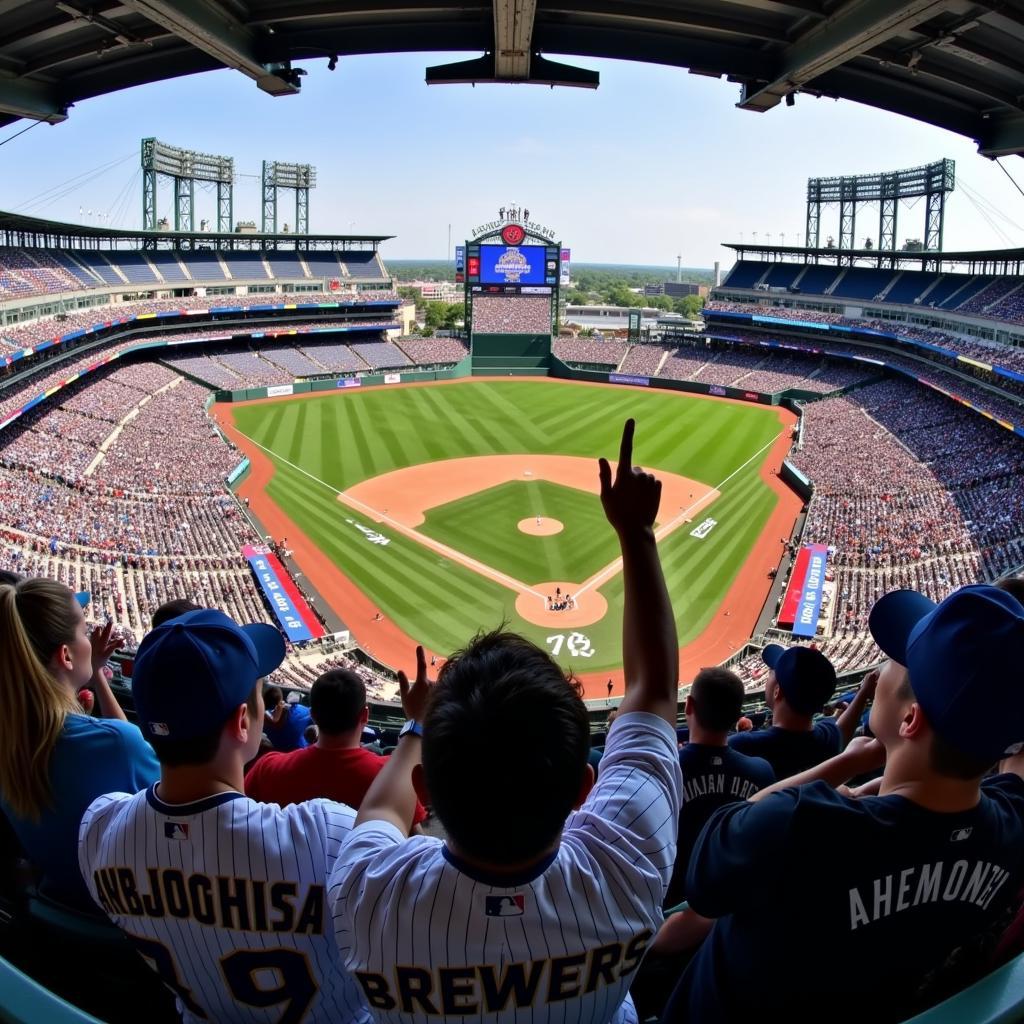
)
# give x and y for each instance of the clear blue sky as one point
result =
(652, 164)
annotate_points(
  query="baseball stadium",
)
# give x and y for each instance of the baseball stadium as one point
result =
(250, 423)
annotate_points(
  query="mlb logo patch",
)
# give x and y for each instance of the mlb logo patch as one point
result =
(960, 834)
(505, 906)
(176, 830)
(159, 729)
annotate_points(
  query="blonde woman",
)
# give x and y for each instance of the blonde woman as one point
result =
(55, 760)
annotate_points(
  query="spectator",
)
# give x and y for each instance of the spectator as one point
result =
(53, 758)
(800, 681)
(713, 774)
(172, 609)
(585, 892)
(239, 881)
(335, 765)
(887, 884)
(285, 724)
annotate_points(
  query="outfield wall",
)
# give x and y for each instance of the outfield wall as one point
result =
(370, 380)
(565, 372)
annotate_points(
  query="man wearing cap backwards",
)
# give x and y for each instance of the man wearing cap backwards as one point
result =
(812, 876)
(336, 766)
(800, 683)
(223, 896)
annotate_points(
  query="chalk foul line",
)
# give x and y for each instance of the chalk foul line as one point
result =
(609, 571)
(459, 557)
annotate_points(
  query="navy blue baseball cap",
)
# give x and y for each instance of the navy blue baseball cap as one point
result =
(192, 671)
(963, 657)
(806, 676)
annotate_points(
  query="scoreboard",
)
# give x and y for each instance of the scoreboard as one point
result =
(509, 267)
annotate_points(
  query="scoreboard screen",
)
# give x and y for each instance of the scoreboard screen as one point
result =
(512, 264)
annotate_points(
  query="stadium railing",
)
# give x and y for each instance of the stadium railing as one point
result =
(25, 1001)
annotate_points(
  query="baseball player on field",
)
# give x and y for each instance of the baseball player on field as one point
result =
(223, 896)
(543, 898)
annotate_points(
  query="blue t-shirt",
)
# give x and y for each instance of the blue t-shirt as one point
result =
(712, 778)
(287, 734)
(807, 880)
(788, 751)
(93, 756)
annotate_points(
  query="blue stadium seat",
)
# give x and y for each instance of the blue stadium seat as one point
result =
(996, 999)
(25, 1001)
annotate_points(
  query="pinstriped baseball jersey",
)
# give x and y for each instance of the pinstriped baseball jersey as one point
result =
(428, 937)
(225, 897)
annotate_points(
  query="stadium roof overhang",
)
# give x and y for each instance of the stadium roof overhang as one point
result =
(974, 261)
(953, 63)
(17, 229)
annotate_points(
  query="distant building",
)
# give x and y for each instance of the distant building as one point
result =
(437, 291)
(675, 289)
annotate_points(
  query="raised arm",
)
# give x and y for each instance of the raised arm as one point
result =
(102, 648)
(650, 647)
(863, 755)
(850, 718)
(391, 796)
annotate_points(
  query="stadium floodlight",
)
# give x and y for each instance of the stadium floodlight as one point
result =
(185, 167)
(299, 178)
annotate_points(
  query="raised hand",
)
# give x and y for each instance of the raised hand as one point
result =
(102, 646)
(630, 501)
(415, 694)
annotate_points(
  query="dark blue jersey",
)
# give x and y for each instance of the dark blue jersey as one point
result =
(807, 882)
(712, 778)
(790, 752)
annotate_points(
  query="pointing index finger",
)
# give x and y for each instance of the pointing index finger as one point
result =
(626, 447)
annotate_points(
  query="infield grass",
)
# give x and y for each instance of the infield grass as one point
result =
(336, 440)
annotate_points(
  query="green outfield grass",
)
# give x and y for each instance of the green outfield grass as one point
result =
(324, 444)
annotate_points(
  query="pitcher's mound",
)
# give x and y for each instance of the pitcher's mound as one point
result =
(588, 608)
(543, 527)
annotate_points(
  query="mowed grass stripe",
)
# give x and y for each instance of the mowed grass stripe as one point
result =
(442, 604)
(322, 518)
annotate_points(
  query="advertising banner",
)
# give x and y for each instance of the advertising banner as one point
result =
(565, 261)
(277, 390)
(295, 616)
(392, 378)
(625, 378)
(802, 605)
(348, 382)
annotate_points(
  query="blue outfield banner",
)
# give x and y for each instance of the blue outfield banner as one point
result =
(262, 563)
(805, 622)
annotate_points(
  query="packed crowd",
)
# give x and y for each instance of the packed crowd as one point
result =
(511, 314)
(588, 350)
(100, 317)
(910, 491)
(428, 351)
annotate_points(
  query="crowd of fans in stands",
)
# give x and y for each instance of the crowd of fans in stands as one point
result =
(508, 314)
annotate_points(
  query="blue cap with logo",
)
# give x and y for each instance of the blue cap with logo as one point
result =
(805, 676)
(192, 671)
(963, 657)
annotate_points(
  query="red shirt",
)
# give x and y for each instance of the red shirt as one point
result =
(343, 775)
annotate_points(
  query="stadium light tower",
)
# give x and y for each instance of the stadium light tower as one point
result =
(298, 177)
(185, 167)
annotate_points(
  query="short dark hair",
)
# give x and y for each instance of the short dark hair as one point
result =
(198, 749)
(272, 696)
(9, 579)
(944, 759)
(172, 609)
(337, 700)
(505, 744)
(717, 698)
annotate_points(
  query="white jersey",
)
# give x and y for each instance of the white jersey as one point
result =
(428, 937)
(225, 898)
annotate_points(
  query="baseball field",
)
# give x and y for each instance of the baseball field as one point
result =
(424, 512)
